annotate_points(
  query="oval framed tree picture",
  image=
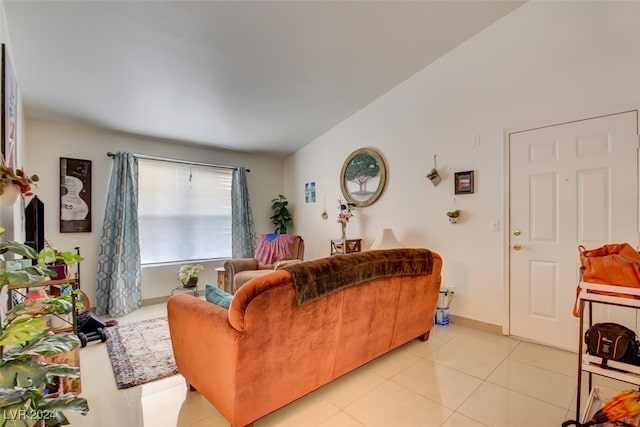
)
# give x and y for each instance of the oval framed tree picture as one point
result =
(363, 177)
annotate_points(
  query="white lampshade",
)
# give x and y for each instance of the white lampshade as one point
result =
(386, 240)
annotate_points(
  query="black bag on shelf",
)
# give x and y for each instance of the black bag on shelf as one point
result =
(612, 341)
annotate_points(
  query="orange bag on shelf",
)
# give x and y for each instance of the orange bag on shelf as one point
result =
(615, 264)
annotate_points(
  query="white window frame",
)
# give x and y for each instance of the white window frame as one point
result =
(176, 200)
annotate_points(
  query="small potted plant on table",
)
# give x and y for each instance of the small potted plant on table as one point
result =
(189, 273)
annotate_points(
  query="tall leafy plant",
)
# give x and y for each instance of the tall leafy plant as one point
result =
(25, 341)
(281, 217)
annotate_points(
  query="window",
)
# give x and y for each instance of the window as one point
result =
(184, 212)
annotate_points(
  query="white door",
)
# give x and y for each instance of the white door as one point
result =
(570, 184)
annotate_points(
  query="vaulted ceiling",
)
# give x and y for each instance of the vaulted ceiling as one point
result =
(257, 76)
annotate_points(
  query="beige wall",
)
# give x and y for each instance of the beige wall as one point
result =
(48, 141)
(10, 216)
(544, 63)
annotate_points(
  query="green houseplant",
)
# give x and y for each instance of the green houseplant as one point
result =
(25, 342)
(281, 217)
(453, 216)
(16, 177)
(433, 175)
(13, 183)
(189, 273)
(58, 262)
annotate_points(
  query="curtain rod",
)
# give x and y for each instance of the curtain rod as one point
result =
(167, 159)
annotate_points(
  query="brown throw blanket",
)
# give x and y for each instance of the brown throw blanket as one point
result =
(315, 279)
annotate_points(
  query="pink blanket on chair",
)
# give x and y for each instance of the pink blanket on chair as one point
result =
(274, 247)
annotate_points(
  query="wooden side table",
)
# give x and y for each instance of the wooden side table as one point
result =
(221, 276)
(345, 246)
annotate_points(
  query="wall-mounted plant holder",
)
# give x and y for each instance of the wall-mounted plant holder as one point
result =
(433, 176)
(324, 215)
(454, 216)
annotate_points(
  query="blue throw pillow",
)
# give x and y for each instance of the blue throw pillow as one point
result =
(217, 296)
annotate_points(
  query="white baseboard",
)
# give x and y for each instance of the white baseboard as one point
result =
(160, 300)
(476, 324)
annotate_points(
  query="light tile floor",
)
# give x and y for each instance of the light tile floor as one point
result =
(461, 377)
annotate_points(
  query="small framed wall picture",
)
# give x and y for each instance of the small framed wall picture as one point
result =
(464, 182)
(310, 192)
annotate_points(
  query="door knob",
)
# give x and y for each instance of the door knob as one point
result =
(516, 232)
(517, 246)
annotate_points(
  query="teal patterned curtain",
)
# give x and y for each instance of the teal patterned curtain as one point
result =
(243, 234)
(119, 280)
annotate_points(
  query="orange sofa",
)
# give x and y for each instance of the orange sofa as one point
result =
(294, 330)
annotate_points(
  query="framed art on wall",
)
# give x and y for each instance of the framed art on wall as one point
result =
(363, 177)
(310, 192)
(75, 195)
(9, 110)
(464, 182)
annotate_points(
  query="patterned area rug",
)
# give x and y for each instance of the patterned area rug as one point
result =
(140, 352)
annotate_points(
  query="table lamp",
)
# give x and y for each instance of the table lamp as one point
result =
(386, 240)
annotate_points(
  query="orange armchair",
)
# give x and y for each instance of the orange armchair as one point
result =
(273, 252)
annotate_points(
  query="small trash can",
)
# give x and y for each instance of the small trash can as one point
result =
(442, 309)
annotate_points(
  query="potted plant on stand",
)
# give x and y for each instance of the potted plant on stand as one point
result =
(189, 273)
(281, 217)
(58, 262)
(26, 342)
